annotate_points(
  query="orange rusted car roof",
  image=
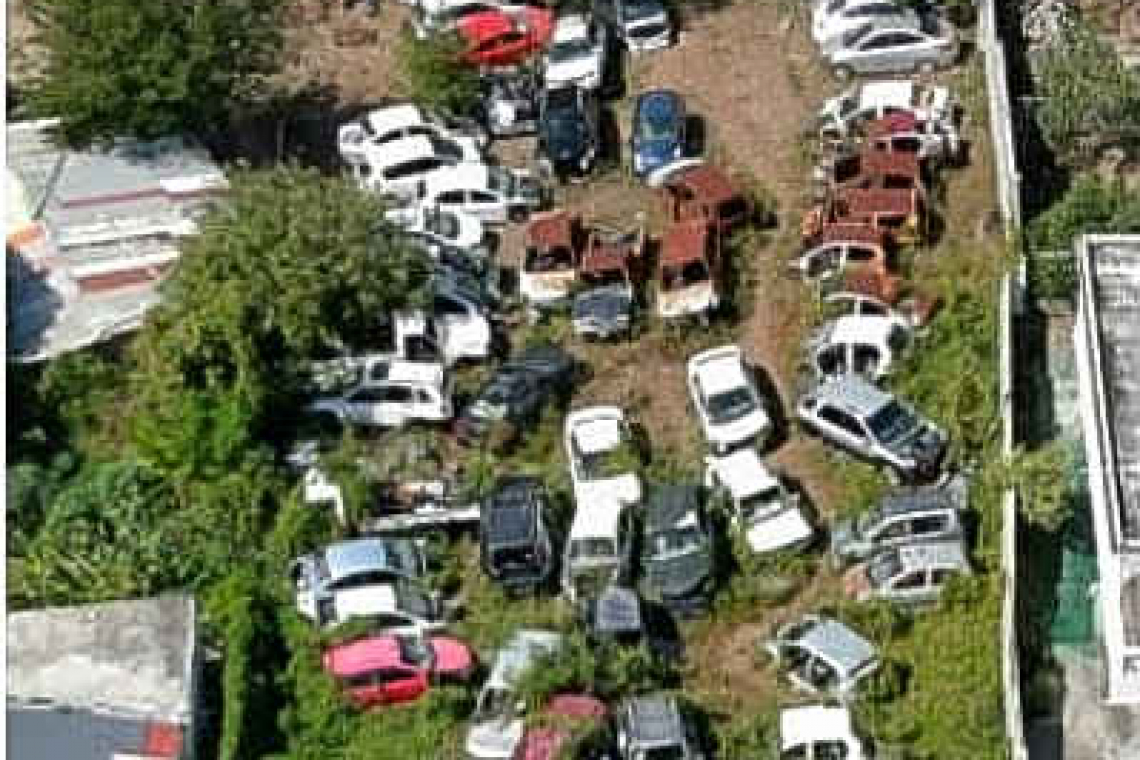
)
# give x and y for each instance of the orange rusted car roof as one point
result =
(851, 232)
(551, 230)
(601, 255)
(684, 241)
(707, 182)
(854, 202)
(879, 163)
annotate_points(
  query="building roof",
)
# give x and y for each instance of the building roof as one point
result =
(96, 230)
(130, 659)
(47, 734)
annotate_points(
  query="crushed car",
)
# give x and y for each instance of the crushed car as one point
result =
(498, 38)
(908, 574)
(847, 114)
(577, 52)
(658, 133)
(603, 455)
(508, 102)
(853, 414)
(565, 718)
(395, 393)
(931, 513)
(835, 247)
(763, 508)
(900, 213)
(615, 615)
(640, 25)
(694, 190)
(599, 548)
(864, 345)
(822, 655)
(359, 140)
(604, 299)
(494, 194)
(497, 723)
(554, 244)
(893, 44)
(326, 580)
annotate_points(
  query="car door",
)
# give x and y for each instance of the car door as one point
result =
(873, 53)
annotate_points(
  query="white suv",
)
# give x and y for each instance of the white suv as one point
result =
(493, 194)
(394, 394)
(603, 455)
(725, 397)
(576, 53)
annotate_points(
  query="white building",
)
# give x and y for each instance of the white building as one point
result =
(1107, 339)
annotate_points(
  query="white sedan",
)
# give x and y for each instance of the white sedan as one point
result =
(602, 454)
(380, 126)
(725, 397)
(576, 53)
(831, 19)
(438, 229)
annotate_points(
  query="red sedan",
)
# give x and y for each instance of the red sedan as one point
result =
(499, 38)
(386, 670)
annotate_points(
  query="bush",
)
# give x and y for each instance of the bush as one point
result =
(433, 74)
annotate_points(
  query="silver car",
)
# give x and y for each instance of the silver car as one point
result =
(912, 574)
(822, 655)
(893, 45)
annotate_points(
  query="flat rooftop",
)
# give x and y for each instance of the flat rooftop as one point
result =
(127, 659)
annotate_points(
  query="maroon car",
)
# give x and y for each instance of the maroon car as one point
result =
(562, 716)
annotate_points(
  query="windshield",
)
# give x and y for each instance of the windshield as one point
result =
(515, 558)
(657, 127)
(441, 223)
(892, 423)
(685, 276)
(569, 50)
(762, 506)
(730, 405)
(446, 148)
(414, 651)
(884, 567)
(593, 548)
(500, 180)
(600, 278)
(675, 543)
(663, 753)
(640, 10)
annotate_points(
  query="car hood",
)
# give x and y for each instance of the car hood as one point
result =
(574, 69)
(695, 299)
(494, 738)
(751, 424)
(680, 576)
(452, 656)
(603, 309)
(786, 527)
(624, 488)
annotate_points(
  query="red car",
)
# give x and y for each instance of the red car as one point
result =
(545, 741)
(387, 670)
(499, 38)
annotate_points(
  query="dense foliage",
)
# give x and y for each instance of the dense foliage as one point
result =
(119, 67)
(432, 73)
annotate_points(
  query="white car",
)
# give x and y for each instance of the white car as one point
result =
(497, 724)
(394, 394)
(436, 229)
(576, 53)
(399, 606)
(357, 139)
(493, 194)
(727, 402)
(817, 732)
(400, 167)
(437, 16)
(893, 45)
(841, 115)
(764, 509)
(866, 345)
(599, 548)
(459, 320)
(602, 454)
(833, 18)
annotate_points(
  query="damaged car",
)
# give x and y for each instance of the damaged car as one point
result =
(764, 509)
(604, 301)
(677, 549)
(686, 285)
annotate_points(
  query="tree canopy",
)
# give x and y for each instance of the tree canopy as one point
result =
(120, 67)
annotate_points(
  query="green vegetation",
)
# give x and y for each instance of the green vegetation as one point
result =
(120, 67)
(432, 73)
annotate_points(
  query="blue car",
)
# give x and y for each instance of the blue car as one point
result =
(658, 134)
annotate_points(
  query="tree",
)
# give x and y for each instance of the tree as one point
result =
(120, 67)
(433, 74)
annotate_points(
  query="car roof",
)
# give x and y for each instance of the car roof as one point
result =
(684, 241)
(743, 473)
(860, 202)
(569, 27)
(603, 253)
(900, 20)
(363, 655)
(420, 373)
(837, 643)
(706, 181)
(662, 103)
(509, 514)
(719, 369)
(596, 428)
(596, 517)
(813, 723)
(404, 149)
(551, 229)
(522, 648)
(671, 506)
(924, 554)
(879, 162)
(358, 555)
(654, 720)
(463, 175)
(617, 610)
(852, 392)
(382, 120)
(861, 328)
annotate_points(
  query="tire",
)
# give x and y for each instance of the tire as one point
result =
(843, 73)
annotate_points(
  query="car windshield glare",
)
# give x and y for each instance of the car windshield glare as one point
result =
(883, 567)
(674, 543)
(593, 548)
(892, 423)
(730, 405)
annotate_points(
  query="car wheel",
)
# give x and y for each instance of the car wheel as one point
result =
(843, 73)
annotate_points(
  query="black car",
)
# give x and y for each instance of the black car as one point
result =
(515, 544)
(568, 131)
(515, 396)
(677, 549)
(509, 103)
